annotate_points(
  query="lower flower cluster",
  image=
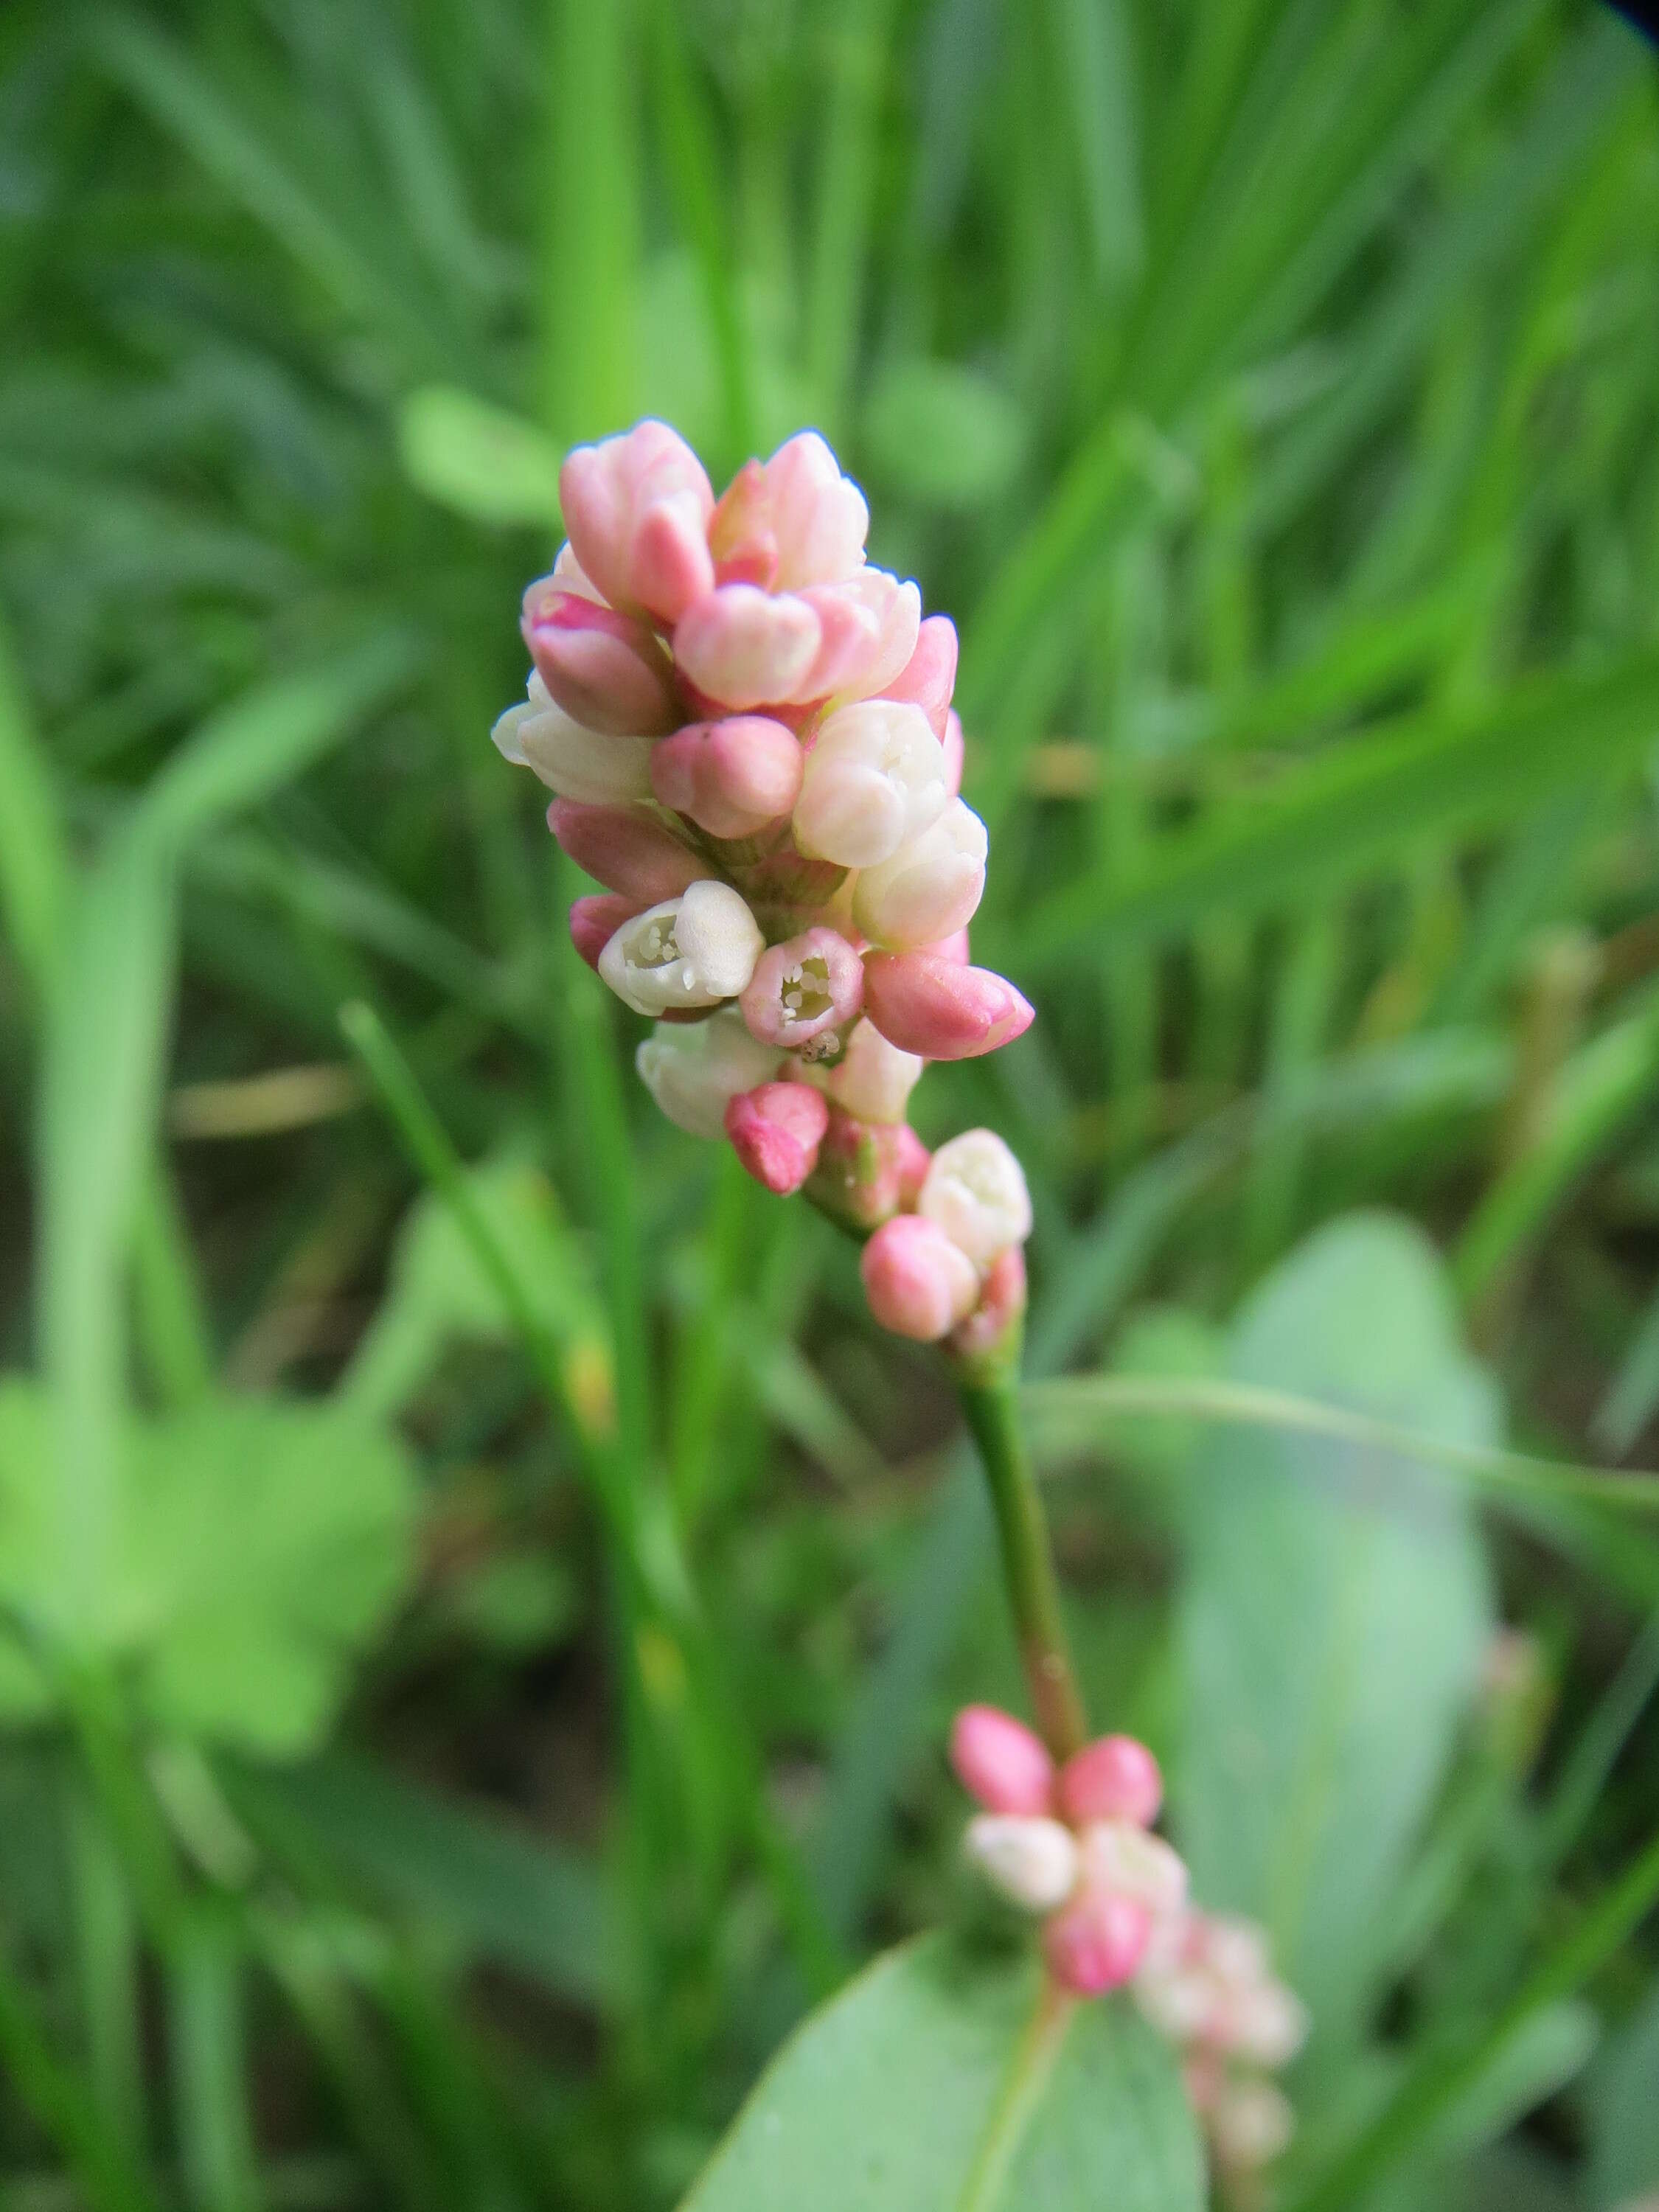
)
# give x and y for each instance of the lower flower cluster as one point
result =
(1073, 1845)
(749, 732)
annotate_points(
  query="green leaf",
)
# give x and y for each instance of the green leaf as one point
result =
(478, 459)
(942, 2079)
(259, 1548)
(1623, 2114)
(1335, 1608)
(944, 434)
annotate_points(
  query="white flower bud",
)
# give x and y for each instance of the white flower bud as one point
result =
(1269, 2025)
(1249, 2124)
(873, 1079)
(1030, 1860)
(974, 1190)
(693, 950)
(1180, 2005)
(930, 888)
(695, 1069)
(874, 780)
(577, 763)
(1127, 1861)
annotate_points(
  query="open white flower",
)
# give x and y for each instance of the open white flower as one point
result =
(929, 888)
(695, 1069)
(597, 769)
(974, 1190)
(874, 780)
(692, 950)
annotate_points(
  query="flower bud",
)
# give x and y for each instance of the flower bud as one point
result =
(637, 508)
(1113, 1778)
(955, 752)
(927, 888)
(692, 950)
(999, 1761)
(594, 922)
(1119, 1856)
(929, 676)
(990, 1337)
(731, 777)
(923, 1002)
(740, 533)
(873, 1079)
(849, 641)
(1032, 1862)
(746, 647)
(975, 1192)
(874, 781)
(576, 763)
(1269, 2024)
(1249, 2124)
(695, 1069)
(799, 990)
(775, 1131)
(1096, 1942)
(913, 1159)
(895, 609)
(625, 850)
(819, 517)
(607, 670)
(918, 1283)
(860, 1178)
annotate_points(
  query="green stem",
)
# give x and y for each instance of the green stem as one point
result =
(991, 1408)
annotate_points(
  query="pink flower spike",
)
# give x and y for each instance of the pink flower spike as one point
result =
(1097, 1942)
(625, 850)
(610, 494)
(740, 534)
(809, 984)
(917, 1282)
(929, 677)
(1001, 1308)
(999, 1761)
(731, 777)
(954, 750)
(775, 1131)
(924, 1004)
(743, 647)
(606, 670)
(1113, 1778)
(595, 920)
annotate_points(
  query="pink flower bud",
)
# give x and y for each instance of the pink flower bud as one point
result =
(1096, 1942)
(637, 508)
(575, 761)
(740, 533)
(1113, 1778)
(605, 669)
(999, 1761)
(874, 780)
(953, 948)
(929, 677)
(929, 888)
(625, 850)
(1119, 1856)
(994, 1324)
(818, 516)
(918, 1283)
(594, 922)
(745, 647)
(849, 640)
(873, 1079)
(897, 610)
(802, 988)
(954, 752)
(730, 777)
(924, 1004)
(975, 1193)
(861, 1173)
(775, 1132)
(1031, 1862)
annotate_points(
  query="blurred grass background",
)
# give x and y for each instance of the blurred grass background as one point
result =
(478, 1608)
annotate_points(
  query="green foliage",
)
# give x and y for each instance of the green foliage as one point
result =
(938, 2077)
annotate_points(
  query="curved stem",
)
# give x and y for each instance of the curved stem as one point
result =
(991, 1408)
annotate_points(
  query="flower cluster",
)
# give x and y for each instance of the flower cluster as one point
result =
(1073, 1845)
(1206, 1982)
(749, 732)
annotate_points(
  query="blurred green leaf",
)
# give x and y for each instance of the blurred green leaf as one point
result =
(1333, 1611)
(478, 458)
(1624, 2113)
(942, 435)
(943, 2078)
